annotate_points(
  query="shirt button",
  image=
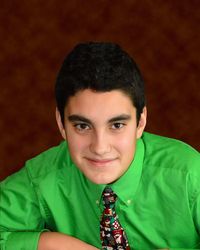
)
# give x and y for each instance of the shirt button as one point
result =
(129, 201)
(97, 202)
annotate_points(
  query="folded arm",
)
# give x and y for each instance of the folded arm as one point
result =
(21, 224)
(59, 241)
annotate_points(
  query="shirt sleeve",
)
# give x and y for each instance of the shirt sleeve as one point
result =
(196, 216)
(20, 219)
(195, 211)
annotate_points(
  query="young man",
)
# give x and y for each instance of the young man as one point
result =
(108, 185)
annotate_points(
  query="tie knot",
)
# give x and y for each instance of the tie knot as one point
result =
(109, 197)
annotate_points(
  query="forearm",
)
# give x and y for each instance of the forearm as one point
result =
(58, 241)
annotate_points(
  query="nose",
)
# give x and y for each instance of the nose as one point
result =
(100, 144)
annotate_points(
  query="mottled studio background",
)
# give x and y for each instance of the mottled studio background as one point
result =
(162, 36)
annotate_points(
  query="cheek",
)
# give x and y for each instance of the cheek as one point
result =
(77, 144)
(126, 146)
(126, 142)
(127, 152)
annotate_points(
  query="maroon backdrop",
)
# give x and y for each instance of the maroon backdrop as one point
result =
(162, 36)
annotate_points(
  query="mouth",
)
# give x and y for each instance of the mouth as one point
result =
(100, 163)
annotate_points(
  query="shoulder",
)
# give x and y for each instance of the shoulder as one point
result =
(44, 164)
(48, 161)
(170, 153)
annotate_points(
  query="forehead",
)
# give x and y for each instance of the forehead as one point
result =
(88, 102)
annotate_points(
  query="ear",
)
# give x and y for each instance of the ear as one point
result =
(60, 124)
(142, 122)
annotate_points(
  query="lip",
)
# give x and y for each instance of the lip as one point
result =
(99, 163)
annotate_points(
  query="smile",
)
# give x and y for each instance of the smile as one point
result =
(99, 163)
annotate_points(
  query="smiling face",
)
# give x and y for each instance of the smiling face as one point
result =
(101, 131)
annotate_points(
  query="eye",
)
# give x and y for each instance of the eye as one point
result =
(81, 127)
(118, 125)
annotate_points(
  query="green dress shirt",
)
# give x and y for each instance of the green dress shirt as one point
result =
(158, 198)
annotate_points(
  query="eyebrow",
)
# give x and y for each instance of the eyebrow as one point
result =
(79, 118)
(76, 118)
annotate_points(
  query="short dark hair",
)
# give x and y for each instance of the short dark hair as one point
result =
(99, 66)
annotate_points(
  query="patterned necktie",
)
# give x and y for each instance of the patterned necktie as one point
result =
(112, 234)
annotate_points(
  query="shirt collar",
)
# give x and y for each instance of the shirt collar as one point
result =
(126, 186)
